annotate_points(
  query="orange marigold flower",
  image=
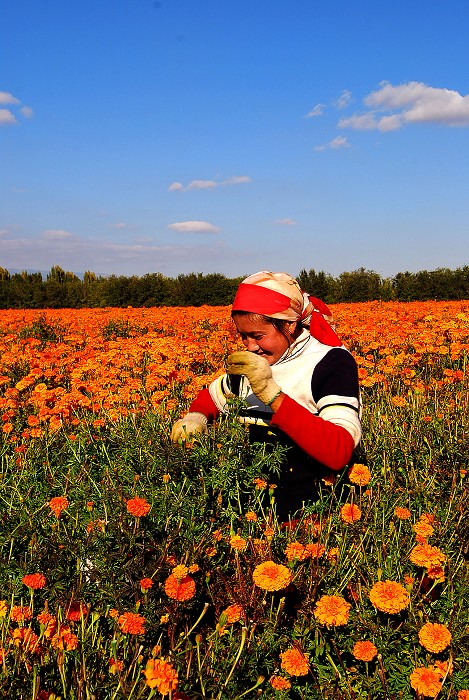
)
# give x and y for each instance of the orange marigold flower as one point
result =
(238, 543)
(161, 675)
(359, 474)
(180, 571)
(58, 504)
(332, 610)
(131, 623)
(364, 651)
(45, 617)
(437, 573)
(402, 513)
(115, 665)
(434, 637)
(251, 516)
(279, 683)
(426, 555)
(260, 483)
(3, 608)
(350, 513)
(233, 613)
(217, 535)
(64, 639)
(76, 610)
(426, 681)
(463, 695)
(408, 580)
(34, 580)
(423, 528)
(294, 662)
(315, 550)
(20, 613)
(269, 532)
(296, 550)
(389, 596)
(445, 668)
(193, 568)
(138, 506)
(180, 588)
(210, 552)
(113, 613)
(26, 638)
(146, 584)
(271, 576)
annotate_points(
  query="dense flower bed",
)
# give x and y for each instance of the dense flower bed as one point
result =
(134, 568)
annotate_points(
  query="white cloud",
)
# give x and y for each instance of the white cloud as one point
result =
(410, 103)
(7, 117)
(338, 142)
(6, 98)
(119, 225)
(209, 184)
(194, 227)
(27, 112)
(175, 186)
(286, 222)
(344, 99)
(201, 185)
(56, 234)
(316, 111)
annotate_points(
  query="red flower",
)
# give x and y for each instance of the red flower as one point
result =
(138, 507)
(34, 580)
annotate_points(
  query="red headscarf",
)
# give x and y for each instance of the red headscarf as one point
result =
(278, 295)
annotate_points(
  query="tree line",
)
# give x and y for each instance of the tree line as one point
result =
(61, 289)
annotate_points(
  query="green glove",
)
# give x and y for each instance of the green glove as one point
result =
(190, 424)
(258, 373)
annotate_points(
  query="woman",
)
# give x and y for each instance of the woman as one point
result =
(298, 382)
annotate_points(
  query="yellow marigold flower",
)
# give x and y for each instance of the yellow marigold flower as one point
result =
(161, 675)
(359, 474)
(180, 571)
(426, 555)
(3, 608)
(350, 513)
(332, 610)
(434, 637)
(389, 596)
(402, 513)
(426, 681)
(271, 576)
(364, 651)
(238, 543)
(279, 683)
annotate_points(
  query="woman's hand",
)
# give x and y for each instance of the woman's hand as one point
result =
(258, 373)
(188, 425)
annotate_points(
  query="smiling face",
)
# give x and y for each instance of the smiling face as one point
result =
(263, 338)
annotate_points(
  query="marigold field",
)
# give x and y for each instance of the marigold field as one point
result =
(135, 568)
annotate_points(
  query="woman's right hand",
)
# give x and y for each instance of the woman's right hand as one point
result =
(190, 424)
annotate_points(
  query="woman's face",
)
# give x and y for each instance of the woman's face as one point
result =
(262, 338)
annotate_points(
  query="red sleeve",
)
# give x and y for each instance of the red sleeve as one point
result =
(330, 444)
(203, 403)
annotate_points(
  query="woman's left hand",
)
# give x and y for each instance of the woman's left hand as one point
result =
(258, 373)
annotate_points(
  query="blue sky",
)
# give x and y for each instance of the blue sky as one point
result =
(213, 136)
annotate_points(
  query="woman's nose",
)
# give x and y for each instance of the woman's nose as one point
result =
(251, 345)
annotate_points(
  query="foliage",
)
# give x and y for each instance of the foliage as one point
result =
(65, 290)
(86, 419)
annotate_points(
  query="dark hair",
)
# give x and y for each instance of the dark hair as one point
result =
(278, 323)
